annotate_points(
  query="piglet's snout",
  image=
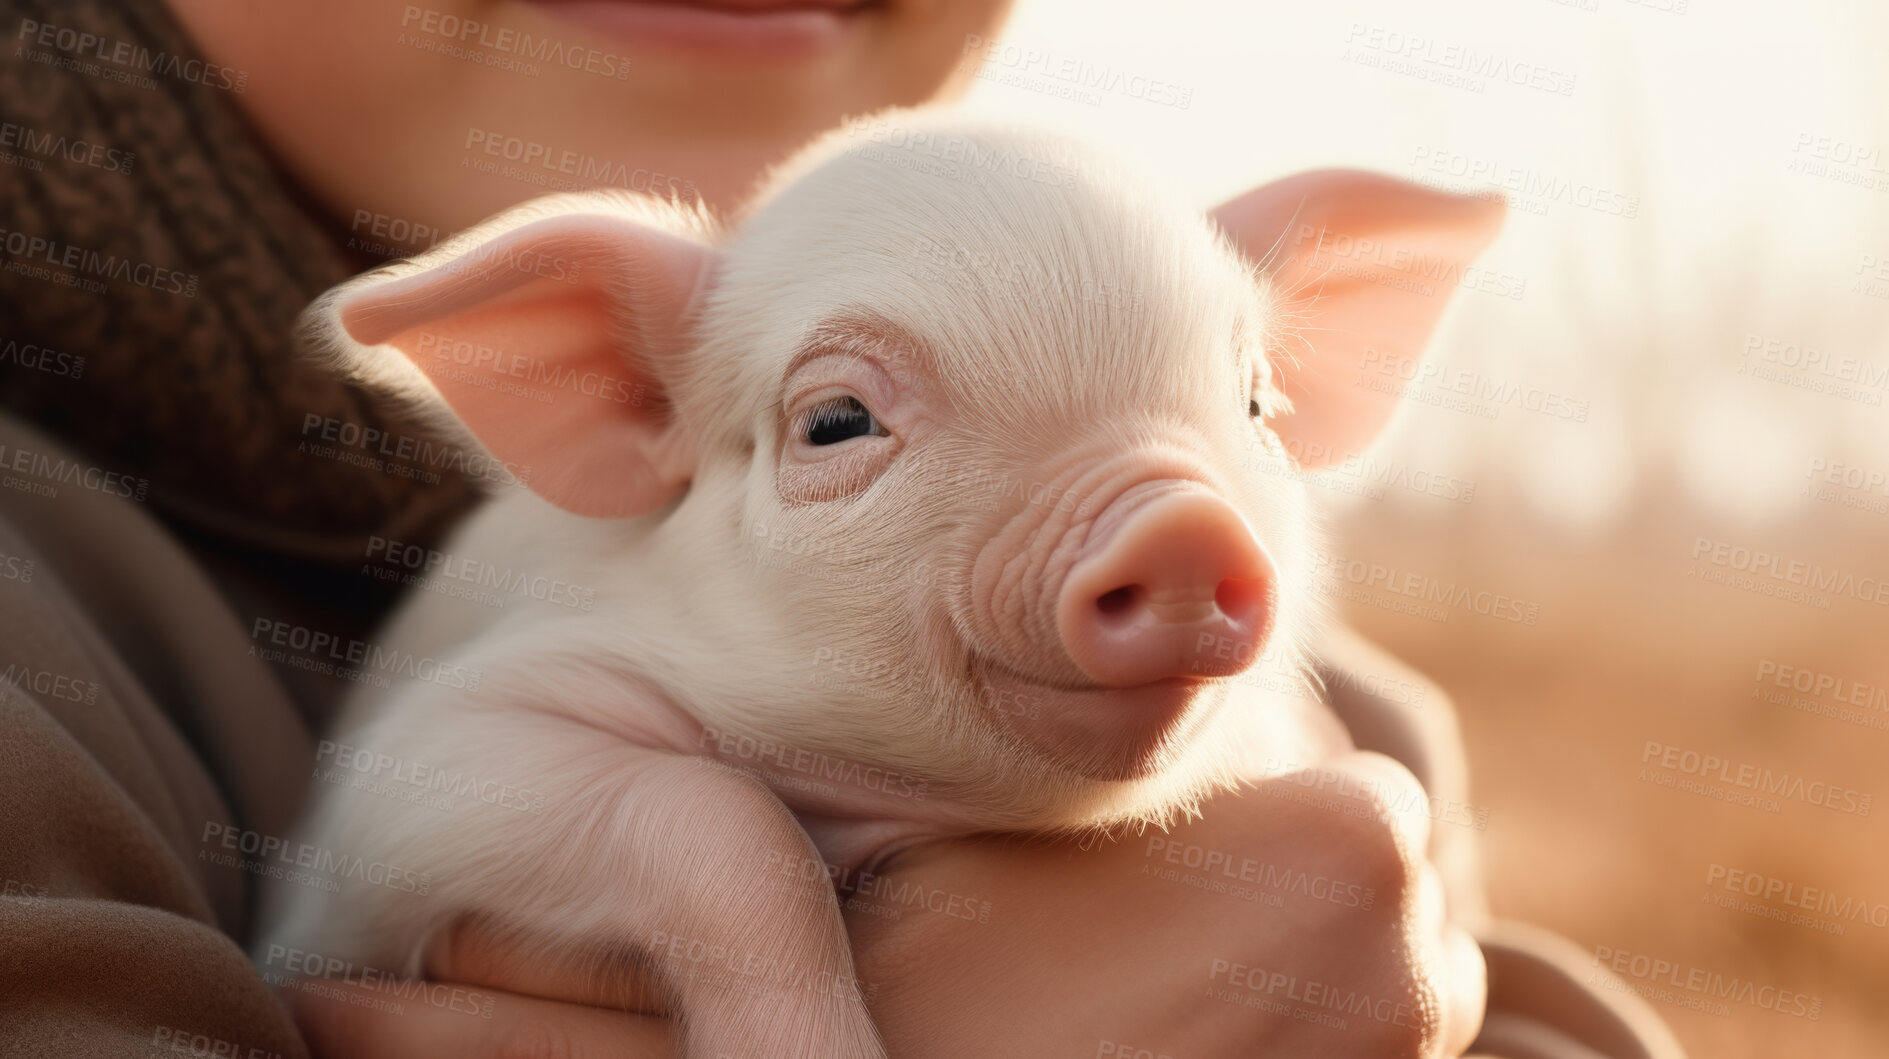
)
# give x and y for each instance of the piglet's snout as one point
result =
(1174, 584)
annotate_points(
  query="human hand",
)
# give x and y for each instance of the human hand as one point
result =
(1124, 948)
(1291, 919)
(522, 1006)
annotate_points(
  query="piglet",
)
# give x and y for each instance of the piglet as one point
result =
(951, 489)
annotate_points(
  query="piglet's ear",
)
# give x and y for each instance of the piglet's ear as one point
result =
(1364, 266)
(548, 333)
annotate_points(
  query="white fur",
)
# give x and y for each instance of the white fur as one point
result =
(697, 623)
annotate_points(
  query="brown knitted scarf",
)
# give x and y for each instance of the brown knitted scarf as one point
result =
(153, 259)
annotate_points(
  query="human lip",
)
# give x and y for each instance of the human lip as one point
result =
(748, 29)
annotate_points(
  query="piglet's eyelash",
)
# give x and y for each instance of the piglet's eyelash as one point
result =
(836, 420)
(801, 421)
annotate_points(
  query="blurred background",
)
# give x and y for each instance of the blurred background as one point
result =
(1656, 416)
(1659, 417)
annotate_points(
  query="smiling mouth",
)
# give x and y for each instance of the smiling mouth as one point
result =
(746, 29)
(1100, 732)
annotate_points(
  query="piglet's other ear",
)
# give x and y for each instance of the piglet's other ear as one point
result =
(548, 333)
(1364, 266)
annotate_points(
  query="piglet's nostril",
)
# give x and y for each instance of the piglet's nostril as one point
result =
(1238, 600)
(1241, 599)
(1120, 604)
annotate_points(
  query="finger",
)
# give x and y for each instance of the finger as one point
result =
(1397, 791)
(1368, 783)
(1452, 963)
(1452, 960)
(420, 1020)
(478, 953)
(1463, 988)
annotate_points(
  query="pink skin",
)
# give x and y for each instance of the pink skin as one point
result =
(1169, 592)
(1119, 612)
(1121, 592)
(1120, 619)
(1169, 569)
(1103, 619)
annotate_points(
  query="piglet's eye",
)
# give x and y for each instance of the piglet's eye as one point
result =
(840, 419)
(1252, 408)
